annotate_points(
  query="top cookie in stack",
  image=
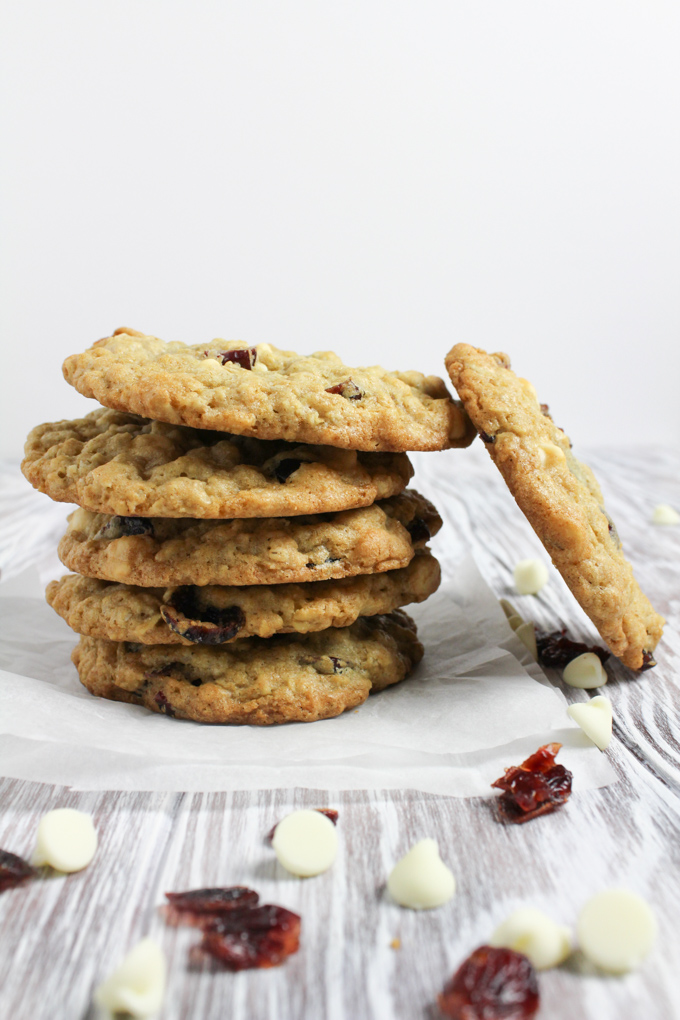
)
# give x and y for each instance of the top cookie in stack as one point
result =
(233, 563)
(266, 393)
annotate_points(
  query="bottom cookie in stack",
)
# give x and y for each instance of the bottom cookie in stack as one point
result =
(287, 678)
(205, 644)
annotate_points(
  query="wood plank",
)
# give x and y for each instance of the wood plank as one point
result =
(71, 931)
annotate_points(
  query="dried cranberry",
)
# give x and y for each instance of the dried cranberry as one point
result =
(347, 389)
(201, 625)
(546, 411)
(612, 529)
(245, 357)
(492, 984)
(163, 703)
(213, 901)
(123, 527)
(261, 937)
(535, 787)
(556, 649)
(327, 811)
(486, 438)
(170, 669)
(14, 870)
(648, 661)
(418, 530)
(329, 559)
(547, 794)
(236, 930)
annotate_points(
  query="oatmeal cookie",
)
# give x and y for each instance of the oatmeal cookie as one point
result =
(560, 498)
(215, 614)
(288, 678)
(118, 463)
(165, 551)
(267, 393)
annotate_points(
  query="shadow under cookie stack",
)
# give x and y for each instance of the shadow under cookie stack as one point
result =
(245, 537)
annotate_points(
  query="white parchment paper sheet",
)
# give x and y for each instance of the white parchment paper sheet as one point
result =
(476, 704)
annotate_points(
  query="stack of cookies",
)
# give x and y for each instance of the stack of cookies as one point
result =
(245, 538)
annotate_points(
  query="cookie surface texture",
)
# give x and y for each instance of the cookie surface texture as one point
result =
(118, 463)
(217, 614)
(268, 393)
(164, 551)
(281, 679)
(560, 497)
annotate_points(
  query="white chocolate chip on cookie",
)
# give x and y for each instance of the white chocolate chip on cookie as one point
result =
(550, 455)
(528, 388)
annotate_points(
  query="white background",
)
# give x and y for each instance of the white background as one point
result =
(381, 178)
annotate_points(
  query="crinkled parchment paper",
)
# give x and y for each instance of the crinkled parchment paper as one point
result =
(475, 705)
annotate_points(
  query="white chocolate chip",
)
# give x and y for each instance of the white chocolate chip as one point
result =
(550, 455)
(528, 388)
(665, 514)
(585, 671)
(138, 985)
(66, 840)
(305, 843)
(530, 576)
(421, 880)
(616, 929)
(119, 556)
(511, 614)
(527, 635)
(507, 608)
(78, 520)
(595, 719)
(531, 932)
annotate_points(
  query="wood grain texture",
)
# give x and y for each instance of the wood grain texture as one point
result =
(60, 936)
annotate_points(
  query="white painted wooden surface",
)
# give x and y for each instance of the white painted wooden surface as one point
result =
(60, 936)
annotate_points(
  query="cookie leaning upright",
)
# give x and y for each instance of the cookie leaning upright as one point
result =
(267, 393)
(560, 497)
